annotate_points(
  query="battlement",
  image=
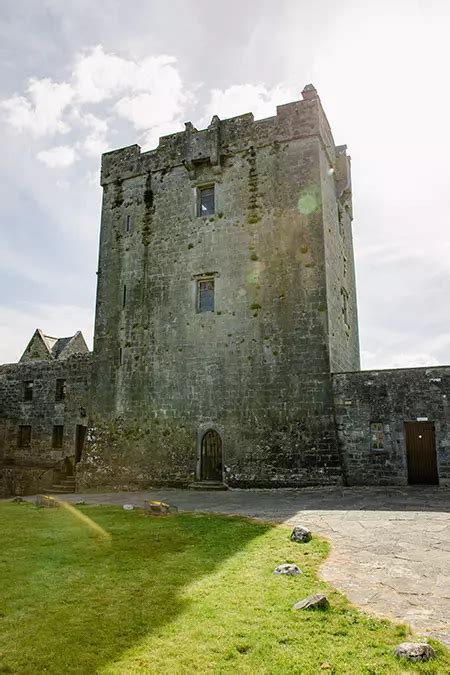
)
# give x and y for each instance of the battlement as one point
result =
(222, 138)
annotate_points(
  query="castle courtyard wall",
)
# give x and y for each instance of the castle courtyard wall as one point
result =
(390, 398)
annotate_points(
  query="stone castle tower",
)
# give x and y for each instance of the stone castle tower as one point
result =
(226, 298)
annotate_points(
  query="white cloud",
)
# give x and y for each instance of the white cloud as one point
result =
(96, 141)
(58, 157)
(41, 112)
(98, 76)
(241, 98)
(148, 93)
(147, 110)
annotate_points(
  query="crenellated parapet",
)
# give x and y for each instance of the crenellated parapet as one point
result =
(222, 138)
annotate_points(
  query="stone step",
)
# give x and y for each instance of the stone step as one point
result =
(207, 485)
(61, 489)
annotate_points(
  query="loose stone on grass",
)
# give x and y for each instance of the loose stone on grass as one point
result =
(415, 651)
(301, 534)
(154, 508)
(317, 601)
(287, 568)
(46, 501)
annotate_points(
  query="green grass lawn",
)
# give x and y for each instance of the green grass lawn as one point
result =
(180, 594)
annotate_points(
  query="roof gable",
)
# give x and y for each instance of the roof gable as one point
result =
(45, 347)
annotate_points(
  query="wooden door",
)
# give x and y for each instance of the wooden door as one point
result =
(80, 435)
(421, 453)
(211, 457)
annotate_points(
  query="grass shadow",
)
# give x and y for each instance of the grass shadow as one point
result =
(75, 601)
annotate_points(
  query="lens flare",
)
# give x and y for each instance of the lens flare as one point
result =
(308, 202)
(83, 518)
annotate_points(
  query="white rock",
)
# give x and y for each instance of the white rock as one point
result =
(415, 651)
(287, 568)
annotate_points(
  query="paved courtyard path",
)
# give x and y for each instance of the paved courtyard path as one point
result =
(390, 547)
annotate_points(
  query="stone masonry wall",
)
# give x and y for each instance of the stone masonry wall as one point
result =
(390, 397)
(26, 470)
(342, 311)
(257, 369)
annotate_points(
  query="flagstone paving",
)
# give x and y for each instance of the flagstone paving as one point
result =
(390, 547)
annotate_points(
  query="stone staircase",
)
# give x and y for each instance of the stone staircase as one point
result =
(64, 486)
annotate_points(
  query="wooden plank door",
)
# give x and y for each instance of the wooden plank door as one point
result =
(211, 457)
(80, 435)
(421, 453)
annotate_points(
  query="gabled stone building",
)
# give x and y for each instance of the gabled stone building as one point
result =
(226, 336)
(44, 403)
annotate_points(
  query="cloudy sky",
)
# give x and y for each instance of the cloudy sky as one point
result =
(81, 77)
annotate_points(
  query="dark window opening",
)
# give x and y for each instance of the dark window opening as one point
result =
(28, 390)
(205, 295)
(376, 436)
(128, 223)
(124, 296)
(205, 201)
(60, 391)
(57, 438)
(24, 436)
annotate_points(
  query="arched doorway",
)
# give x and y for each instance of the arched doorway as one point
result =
(211, 457)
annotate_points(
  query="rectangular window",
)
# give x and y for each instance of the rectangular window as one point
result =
(60, 390)
(124, 295)
(28, 390)
(24, 436)
(205, 295)
(205, 201)
(57, 437)
(376, 436)
(128, 223)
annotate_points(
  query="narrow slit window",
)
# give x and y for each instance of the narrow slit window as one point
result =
(58, 435)
(376, 436)
(345, 307)
(120, 356)
(128, 223)
(28, 390)
(24, 436)
(60, 390)
(205, 295)
(124, 295)
(206, 201)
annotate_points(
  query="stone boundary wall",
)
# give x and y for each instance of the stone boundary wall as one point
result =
(390, 398)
